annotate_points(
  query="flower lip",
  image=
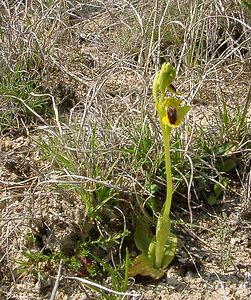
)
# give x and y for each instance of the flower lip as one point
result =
(171, 112)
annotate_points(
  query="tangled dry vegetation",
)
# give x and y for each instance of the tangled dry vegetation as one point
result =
(81, 150)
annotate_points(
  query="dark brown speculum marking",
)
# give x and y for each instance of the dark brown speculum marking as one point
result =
(172, 115)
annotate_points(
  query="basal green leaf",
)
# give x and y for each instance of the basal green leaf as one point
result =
(142, 265)
(162, 234)
(228, 164)
(211, 200)
(169, 250)
(142, 235)
(217, 190)
(151, 250)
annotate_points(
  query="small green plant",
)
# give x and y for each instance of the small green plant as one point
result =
(247, 4)
(118, 276)
(68, 161)
(219, 152)
(218, 189)
(32, 262)
(17, 98)
(159, 250)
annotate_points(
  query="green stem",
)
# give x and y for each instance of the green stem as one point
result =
(163, 224)
(167, 205)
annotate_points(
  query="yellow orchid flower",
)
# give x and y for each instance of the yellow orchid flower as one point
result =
(174, 112)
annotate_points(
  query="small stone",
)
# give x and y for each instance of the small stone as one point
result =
(233, 241)
(43, 283)
(6, 145)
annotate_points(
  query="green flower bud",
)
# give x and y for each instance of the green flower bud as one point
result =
(166, 77)
(163, 80)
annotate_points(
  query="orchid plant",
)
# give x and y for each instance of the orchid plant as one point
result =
(158, 251)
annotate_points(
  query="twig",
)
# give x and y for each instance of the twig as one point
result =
(88, 282)
(54, 291)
